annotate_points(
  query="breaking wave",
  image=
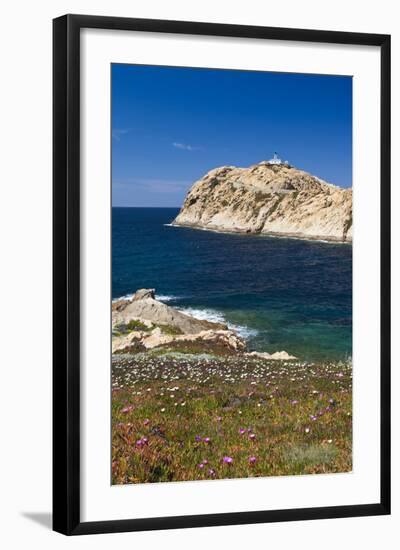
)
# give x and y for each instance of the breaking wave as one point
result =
(218, 317)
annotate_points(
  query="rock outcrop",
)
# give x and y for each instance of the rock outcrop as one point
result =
(217, 342)
(148, 309)
(268, 199)
(277, 356)
(143, 323)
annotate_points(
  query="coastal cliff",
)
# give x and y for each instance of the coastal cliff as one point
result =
(270, 199)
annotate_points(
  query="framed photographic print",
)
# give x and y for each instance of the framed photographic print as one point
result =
(221, 274)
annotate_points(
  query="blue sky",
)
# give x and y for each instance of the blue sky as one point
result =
(171, 125)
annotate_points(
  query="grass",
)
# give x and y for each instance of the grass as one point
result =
(175, 419)
(133, 325)
(136, 325)
(169, 329)
(311, 455)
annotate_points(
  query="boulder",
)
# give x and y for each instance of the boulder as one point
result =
(144, 293)
(277, 356)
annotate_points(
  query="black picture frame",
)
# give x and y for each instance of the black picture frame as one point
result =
(66, 273)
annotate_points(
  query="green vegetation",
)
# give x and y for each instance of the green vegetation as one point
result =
(186, 418)
(137, 325)
(132, 325)
(169, 329)
(302, 456)
(192, 348)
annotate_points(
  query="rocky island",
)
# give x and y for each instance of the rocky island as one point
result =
(269, 198)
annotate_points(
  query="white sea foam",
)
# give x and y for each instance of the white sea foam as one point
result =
(243, 331)
(218, 317)
(204, 314)
(160, 297)
(167, 297)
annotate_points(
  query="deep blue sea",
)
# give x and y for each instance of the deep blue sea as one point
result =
(280, 294)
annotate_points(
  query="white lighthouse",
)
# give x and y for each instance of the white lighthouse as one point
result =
(275, 160)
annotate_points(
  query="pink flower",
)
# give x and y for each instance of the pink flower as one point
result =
(146, 421)
(252, 437)
(227, 460)
(294, 402)
(242, 431)
(207, 440)
(201, 466)
(127, 409)
(252, 459)
(197, 438)
(211, 471)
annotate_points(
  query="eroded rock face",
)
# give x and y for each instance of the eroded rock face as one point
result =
(268, 199)
(143, 323)
(143, 293)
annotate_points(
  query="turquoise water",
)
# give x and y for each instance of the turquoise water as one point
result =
(280, 294)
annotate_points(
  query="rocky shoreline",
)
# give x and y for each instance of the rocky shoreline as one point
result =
(274, 234)
(143, 324)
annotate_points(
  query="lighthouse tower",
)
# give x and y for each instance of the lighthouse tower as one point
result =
(275, 159)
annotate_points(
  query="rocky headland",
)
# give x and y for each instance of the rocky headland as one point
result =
(268, 199)
(143, 324)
